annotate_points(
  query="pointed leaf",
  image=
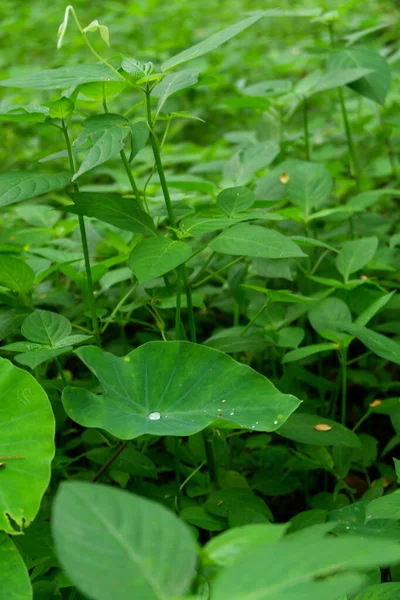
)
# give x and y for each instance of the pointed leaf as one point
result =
(18, 186)
(253, 240)
(306, 351)
(15, 274)
(338, 77)
(139, 137)
(308, 185)
(300, 427)
(376, 342)
(355, 254)
(154, 257)
(173, 83)
(14, 580)
(235, 200)
(62, 78)
(45, 327)
(174, 388)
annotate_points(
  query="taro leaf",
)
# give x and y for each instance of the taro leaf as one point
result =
(15, 274)
(174, 388)
(21, 185)
(113, 544)
(300, 428)
(27, 435)
(45, 327)
(298, 567)
(173, 83)
(14, 580)
(355, 254)
(154, 257)
(139, 137)
(374, 86)
(386, 507)
(308, 184)
(230, 545)
(214, 41)
(108, 133)
(253, 240)
(235, 200)
(113, 209)
(381, 591)
(376, 342)
(62, 78)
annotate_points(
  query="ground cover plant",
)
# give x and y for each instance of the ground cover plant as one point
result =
(199, 308)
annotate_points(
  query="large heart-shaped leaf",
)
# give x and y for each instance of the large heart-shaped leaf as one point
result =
(21, 185)
(26, 445)
(174, 388)
(374, 86)
(62, 78)
(253, 240)
(14, 580)
(114, 544)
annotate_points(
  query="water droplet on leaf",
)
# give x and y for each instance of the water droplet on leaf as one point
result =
(154, 416)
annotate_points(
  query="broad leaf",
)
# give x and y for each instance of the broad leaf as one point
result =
(355, 254)
(15, 274)
(382, 591)
(62, 78)
(154, 257)
(210, 43)
(174, 388)
(253, 240)
(45, 327)
(308, 184)
(26, 445)
(300, 427)
(35, 358)
(338, 77)
(14, 580)
(235, 200)
(114, 209)
(173, 83)
(114, 544)
(386, 507)
(21, 185)
(374, 86)
(376, 342)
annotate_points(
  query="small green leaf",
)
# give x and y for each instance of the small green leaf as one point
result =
(17, 186)
(114, 544)
(14, 580)
(253, 240)
(62, 78)
(139, 137)
(173, 83)
(15, 274)
(235, 200)
(337, 78)
(210, 43)
(355, 254)
(327, 317)
(308, 185)
(35, 358)
(376, 342)
(154, 257)
(45, 327)
(307, 351)
(61, 109)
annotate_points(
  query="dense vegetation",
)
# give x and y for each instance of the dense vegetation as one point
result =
(199, 307)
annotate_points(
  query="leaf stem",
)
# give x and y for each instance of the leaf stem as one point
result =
(210, 458)
(177, 468)
(343, 362)
(61, 372)
(110, 461)
(306, 131)
(216, 273)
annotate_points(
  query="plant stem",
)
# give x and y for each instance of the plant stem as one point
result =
(110, 461)
(177, 468)
(354, 167)
(361, 421)
(85, 247)
(61, 372)
(216, 273)
(120, 303)
(254, 319)
(306, 131)
(204, 267)
(178, 291)
(343, 361)
(131, 178)
(192, 322)
(192, 474)
(210, 458)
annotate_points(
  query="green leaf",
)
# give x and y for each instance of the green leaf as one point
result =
(308, 185)
(303, 567)
(376, 342)
(114, 209)
(14, 580)
(386, 507)
(235, 200)
(338, 77)
(307, 351)
(253, 240)
(21, 185)
(113, 544)
(300, 427)
(210, 43)
(10, 320)
(35, 358)
(174, 388)
(173, 83)
(108, 133)
(27, 433)
(227, 547)
(45, 327)
(373, 309)
(15, 274)
(355, 254)
(374, 86)
(382, 591)
(326, 316)
(61, 78)
(31, 113)
(139, 137)
(154, 257)
(61, 109)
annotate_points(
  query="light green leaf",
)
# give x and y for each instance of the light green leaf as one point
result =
(308, 184)
(300, 427)
(373, 309)
(61, 109)
(15, 274)
(139, 137)
(21, 185)
(173, 83)
(355, 254)
(174, 388)
(327, 317)
(253, 240)
(154, 257)
(306, 351)
(27, 437)
(338, 77)
(113, 544)
(376, 342)
(374, 86)
(210, 43)
(382, 591)
(61, 78)
(235, 200)
(31, 113)
(36, 357)
(14, 580)
(45, 327)
(114, 209)
(385, 507)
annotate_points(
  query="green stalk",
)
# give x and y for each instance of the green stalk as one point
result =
(61, 372)
(306, 131)
(254, 319)
(343, 361)
(354, 166)
(85, 247)
(177, 468)
(120, 303)
(210, 458)
(110, 461)
(131, 178)
(216, 273)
